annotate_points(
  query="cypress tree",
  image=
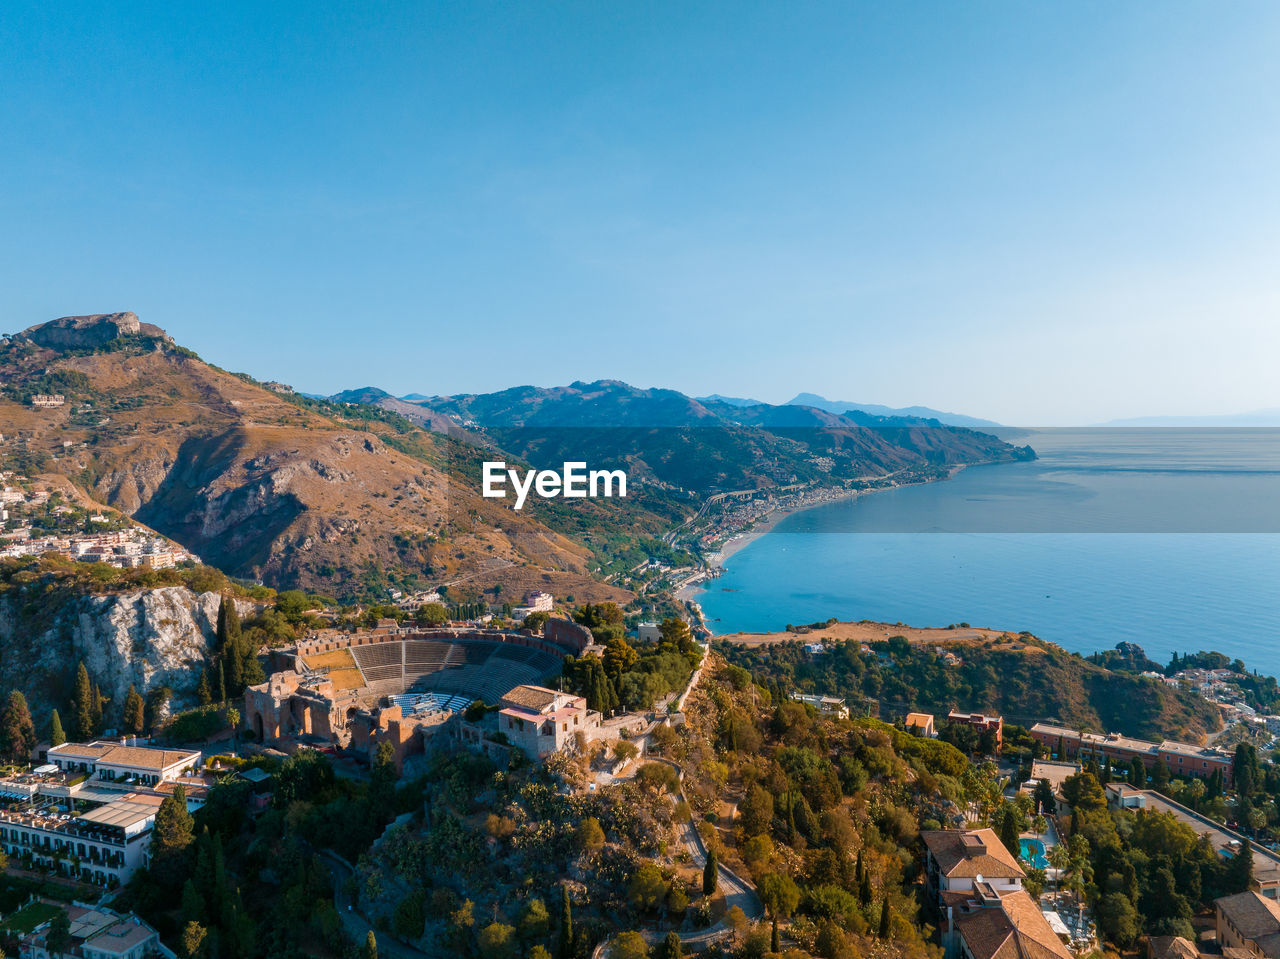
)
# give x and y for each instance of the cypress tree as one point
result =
(228, 625)
(370, 946)
(1009, 833)
(82, 706)
(864, 888)
(203, 693)
(222, 682)
(566, 924)
(235, 676)
(99, 704)
(134, 712)
(56, 736)
(192, 904)
(884, 918)
(710, 874)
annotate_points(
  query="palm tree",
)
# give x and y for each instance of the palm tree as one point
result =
(1060, 861)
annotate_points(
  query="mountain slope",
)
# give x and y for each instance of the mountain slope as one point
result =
(710, 445)
(283, 489)
(875, 409)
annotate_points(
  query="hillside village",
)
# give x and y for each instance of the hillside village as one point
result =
(513, 752)
(39, 522)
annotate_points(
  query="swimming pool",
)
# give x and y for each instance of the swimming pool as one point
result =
(1033, 852)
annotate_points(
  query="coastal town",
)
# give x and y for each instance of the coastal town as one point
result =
(39, 522)
(1002, 860)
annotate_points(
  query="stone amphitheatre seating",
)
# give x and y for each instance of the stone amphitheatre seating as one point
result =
(466, 667)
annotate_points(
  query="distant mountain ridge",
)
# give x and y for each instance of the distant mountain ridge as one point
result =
(730, 400)
(875, 409)
(710, 444)
(1255, 418)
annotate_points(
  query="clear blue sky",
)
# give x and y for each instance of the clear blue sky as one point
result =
(1040, 213)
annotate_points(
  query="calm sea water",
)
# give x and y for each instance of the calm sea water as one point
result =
(1168, 538)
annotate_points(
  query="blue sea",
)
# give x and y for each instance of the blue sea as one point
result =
(1169, 538)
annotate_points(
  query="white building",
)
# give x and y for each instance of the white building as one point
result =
(541, 721)
(827, 705)
(119, 762)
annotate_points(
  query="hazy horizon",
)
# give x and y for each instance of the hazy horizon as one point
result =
(1028, 214)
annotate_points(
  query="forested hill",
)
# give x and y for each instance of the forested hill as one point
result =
(705, 445)
(1024, 679)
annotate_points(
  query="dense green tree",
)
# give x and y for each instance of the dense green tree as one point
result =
(1246, 774)
(1137, 773)
(171, 839)
(1118, 920)
(56, 736)
(17, 731)
(431, 614)
(251, 672)
(885, 928)
(671, 947)
(710, 874)
(565, 946)
(1042, 795)
(591, 837)
(1009, 831)
(780, 896)
(134, 718)
(647, 888)
(755, 812)
(370, 946)
(174, 828)
(535, 923)
(1239, 871)
(1160, 775)
(98, 709)
(82, 706)
(204, 694)
(628, 945)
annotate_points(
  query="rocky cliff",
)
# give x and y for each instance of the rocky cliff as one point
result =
(148, 638)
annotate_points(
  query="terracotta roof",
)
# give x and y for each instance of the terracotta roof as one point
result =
(144, 757)
(919, 719)
(968, 853)
(1015, 928)
(113, 754)
(1171, 947)
(1255, 917)
(536, 698)
(123, 937)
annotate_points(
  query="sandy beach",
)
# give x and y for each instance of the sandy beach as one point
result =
(744, 539)
(766, 525)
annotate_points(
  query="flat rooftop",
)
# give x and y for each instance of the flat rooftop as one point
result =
(125, 812)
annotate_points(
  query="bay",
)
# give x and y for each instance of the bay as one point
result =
(1169, 538)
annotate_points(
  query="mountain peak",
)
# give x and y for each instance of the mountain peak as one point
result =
(88, 331)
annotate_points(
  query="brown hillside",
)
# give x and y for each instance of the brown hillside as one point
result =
(258, 486)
